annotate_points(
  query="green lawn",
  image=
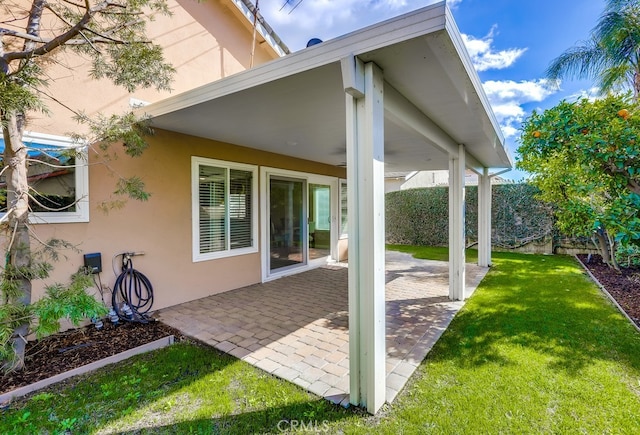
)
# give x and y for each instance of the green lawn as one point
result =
(433, 252)
(536, 349)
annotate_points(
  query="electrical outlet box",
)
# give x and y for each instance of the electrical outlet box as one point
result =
(93, 262)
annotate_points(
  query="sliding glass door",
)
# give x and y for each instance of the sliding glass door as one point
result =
(299, 223)
(319, 221)
(287, 213)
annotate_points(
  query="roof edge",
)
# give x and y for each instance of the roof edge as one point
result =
(248, 10)
(404, 27)
(456, 38)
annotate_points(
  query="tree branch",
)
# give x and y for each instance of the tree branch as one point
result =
(51, 165)
(66, 207)
(22, 35)
(54, 99)
(113, 30)
(78, 5)
(66, 37)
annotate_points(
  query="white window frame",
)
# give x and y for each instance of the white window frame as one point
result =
(196, 162)
(81, 213)
(265, 174)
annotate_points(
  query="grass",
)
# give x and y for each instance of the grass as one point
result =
(438, 253)
(536, 349)
(184, 388)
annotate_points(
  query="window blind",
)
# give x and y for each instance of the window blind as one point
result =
(213, 209)
(240, 209)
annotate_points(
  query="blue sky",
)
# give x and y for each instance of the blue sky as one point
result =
(511, 42)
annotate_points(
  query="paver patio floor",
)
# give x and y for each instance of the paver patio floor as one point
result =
(296, 327)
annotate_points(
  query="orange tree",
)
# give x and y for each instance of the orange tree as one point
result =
(585, 158)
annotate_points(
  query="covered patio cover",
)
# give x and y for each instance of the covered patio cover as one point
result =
(401, 95)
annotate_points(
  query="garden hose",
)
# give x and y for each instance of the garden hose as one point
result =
(132, 295)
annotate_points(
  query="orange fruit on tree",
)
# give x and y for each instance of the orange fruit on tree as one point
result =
(536, 134)
(623, 113)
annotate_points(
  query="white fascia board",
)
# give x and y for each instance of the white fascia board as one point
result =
(405, 27)
(458, 43)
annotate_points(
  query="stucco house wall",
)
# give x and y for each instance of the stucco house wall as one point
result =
(162, 226)
(204, 41)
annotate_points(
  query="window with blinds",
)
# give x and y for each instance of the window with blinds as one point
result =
(224, 208)
(343, 209)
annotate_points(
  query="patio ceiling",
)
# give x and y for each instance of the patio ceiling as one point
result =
(295, 105)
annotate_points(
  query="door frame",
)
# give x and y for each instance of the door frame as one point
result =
(333, 182)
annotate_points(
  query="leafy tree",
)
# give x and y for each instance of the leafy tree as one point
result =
(611, 56)
(585, 158)
(111, 35)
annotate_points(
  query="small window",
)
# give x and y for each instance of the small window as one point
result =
(58, 177)
(224, 209)
(343, 210)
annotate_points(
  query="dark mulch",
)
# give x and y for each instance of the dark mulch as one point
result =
(74, 348)
(624, 285)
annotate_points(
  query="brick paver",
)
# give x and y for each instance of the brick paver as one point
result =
(296, 327)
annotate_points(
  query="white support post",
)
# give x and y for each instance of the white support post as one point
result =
(484, 219)
(456, 226)
(365, 173)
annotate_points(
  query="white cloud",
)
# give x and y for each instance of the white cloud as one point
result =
(327, 19)
(524, 91)
(590, 94)
(508, 96)
(484, 56)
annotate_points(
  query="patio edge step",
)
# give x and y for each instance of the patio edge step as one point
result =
(23, 391)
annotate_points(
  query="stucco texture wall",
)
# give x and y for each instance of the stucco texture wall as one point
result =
(162, 226)
(204, 41)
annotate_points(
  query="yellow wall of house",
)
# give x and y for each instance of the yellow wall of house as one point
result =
(204, 41)
(162, 226)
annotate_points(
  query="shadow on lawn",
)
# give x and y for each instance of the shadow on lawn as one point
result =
(546, 305)
(313, 416)
(146, 386)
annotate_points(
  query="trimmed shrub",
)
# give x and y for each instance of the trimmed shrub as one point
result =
(420, 216)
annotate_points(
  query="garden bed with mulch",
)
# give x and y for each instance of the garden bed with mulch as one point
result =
(74, 348)
(623, 285)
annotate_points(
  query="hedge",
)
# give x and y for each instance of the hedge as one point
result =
(420, 216)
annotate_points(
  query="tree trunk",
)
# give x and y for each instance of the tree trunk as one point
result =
(613, 246)
(603, 247)
(19, 249)
(606, 250)
(15, 158)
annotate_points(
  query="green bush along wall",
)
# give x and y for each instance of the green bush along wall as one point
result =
(420, 216)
